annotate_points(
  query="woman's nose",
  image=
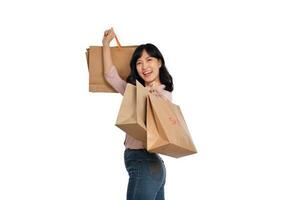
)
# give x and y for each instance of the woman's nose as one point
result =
(144, 66)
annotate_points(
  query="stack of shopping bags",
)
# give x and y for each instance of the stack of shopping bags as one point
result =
(157, 122)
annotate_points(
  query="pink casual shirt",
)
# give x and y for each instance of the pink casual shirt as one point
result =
(114, 79)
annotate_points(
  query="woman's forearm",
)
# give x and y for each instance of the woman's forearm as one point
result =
(107, 60)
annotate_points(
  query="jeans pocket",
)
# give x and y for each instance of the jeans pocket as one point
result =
(156, 169)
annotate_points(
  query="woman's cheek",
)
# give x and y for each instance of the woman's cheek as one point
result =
(156, 73)
(140, 72)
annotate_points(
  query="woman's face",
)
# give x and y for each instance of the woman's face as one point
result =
(148, 69)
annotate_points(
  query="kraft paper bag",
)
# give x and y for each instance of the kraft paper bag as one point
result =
(121, 57)
(132, 114)
(167, 131)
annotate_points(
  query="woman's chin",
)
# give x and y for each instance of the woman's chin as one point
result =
(150, 82)
(148, 79)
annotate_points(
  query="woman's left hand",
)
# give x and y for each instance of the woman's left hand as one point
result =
(157, 90)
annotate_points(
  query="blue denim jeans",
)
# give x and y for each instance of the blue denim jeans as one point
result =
(147, 175)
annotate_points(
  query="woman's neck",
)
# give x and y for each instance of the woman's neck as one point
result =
(153, 83)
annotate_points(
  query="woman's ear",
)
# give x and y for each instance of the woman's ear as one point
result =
(159, 63)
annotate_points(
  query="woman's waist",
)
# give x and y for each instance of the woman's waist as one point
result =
(140, 154)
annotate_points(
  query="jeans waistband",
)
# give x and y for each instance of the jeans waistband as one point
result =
(140, 154)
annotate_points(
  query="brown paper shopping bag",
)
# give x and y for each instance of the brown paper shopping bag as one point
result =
(121, 56)
(132, 114)
(167, 131)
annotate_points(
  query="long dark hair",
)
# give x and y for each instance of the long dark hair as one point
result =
(153, 51)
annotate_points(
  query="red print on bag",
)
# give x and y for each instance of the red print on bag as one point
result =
(173, 120)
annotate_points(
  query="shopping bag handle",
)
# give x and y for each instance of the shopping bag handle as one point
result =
(117, 40)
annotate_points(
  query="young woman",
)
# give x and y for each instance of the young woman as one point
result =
(147, 173)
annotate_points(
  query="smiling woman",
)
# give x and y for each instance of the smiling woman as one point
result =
(148, 67)
(147, 172)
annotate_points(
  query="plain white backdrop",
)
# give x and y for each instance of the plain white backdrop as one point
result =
(235, 66)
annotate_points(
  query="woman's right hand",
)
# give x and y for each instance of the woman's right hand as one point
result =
(109, 34)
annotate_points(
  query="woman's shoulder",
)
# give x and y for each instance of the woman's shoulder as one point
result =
(167, 93)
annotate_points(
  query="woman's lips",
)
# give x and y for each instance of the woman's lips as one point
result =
(148, 73)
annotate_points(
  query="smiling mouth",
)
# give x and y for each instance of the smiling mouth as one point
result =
(146, 74)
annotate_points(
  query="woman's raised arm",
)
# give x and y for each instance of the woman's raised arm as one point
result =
(111, 74)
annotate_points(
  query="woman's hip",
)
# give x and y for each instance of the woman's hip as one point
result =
(141, 163)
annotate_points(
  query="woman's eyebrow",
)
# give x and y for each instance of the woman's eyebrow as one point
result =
(145, 58)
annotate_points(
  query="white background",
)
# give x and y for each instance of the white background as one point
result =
(235, 68)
